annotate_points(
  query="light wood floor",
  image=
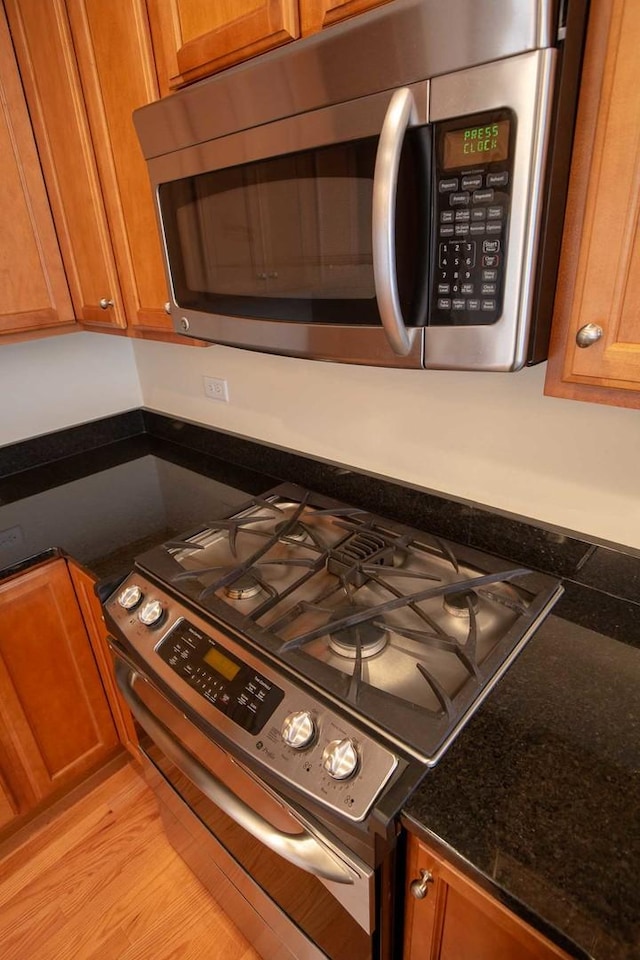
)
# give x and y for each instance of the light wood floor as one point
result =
(101, 882)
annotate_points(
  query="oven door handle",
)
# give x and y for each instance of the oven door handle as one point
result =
(302, 849)
(400, 112)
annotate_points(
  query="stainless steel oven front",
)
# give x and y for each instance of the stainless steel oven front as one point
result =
(294, 889)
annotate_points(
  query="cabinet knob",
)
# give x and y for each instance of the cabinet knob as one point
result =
(590, 333)
(167, 307)
(104, 304)
(419, 888)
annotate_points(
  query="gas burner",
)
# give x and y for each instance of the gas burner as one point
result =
(297, 533)
(245, 588)
(457, 604)
(368, 636)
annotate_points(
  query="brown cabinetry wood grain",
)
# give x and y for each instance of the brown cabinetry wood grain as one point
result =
(599, 278)
(317, 14)
(115, 61)
(94, 621)
(457, 920)
(193, 38)
(55, 723)
(35, 295)
(49, 72)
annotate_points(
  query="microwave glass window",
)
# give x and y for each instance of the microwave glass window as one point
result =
(290, 237)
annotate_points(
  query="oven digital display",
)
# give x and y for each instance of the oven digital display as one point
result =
(223, 679)
(221, 664)
(482, 144)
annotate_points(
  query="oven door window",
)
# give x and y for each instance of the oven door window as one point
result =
(301, 896)
(290, 238)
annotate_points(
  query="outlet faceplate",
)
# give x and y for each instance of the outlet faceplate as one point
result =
(216, 389)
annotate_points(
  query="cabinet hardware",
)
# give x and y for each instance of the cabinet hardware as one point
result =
(590, 333)
(104, 304)
(419, 888)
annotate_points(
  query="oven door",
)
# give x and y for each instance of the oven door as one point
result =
(306, 236)
(293, 890)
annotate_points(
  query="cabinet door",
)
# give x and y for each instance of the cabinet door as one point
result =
(114, 56)
(193, 38)
(47, 65)
(456, 920)
(8, 805)
(94, 622)
(55, 724)
(599, 281)
(317, 14)
(35, 295)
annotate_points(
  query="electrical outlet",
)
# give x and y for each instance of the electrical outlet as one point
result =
(216, 389)
(11, 537)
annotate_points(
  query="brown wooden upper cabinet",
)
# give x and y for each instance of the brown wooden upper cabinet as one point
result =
(194, 38)
(448, 917)
(35, 295)
(86, 66)
(317, 14)
(55, 723)
(598, 296)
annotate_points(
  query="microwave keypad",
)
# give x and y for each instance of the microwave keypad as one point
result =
(472, 210)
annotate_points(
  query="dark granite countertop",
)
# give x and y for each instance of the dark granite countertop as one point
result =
(538, 798)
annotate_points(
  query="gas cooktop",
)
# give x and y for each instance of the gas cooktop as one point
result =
(404, 631)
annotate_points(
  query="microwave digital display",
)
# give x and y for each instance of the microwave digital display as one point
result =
(468, 146)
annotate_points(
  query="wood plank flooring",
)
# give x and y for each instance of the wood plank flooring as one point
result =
(100, 881)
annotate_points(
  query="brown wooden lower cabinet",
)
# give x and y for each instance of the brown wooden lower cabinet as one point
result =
(55, 723)
(457, 920)
(94, 622)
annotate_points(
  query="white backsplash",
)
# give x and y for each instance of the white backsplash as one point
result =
(490, 438)
(59, 381)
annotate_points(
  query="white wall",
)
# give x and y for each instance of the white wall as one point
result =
(61, 381)
(490, 438)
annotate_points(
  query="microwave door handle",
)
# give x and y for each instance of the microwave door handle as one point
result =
(400, 112)
(301, 849)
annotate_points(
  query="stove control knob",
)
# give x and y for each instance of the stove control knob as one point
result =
(151, 613)
(340, 759)
(130, 597)
(298, 729)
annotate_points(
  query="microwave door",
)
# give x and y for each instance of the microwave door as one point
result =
(271, 240)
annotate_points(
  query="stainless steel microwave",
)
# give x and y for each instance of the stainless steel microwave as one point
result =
(389, 192)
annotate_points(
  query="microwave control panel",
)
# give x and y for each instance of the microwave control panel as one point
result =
(472, 201)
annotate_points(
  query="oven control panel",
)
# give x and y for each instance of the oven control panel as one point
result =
(473, 182)
(238, 691)
(269, 715)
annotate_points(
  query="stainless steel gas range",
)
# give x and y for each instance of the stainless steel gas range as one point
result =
(296, 668)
